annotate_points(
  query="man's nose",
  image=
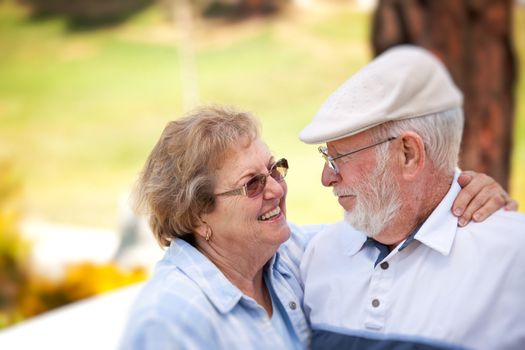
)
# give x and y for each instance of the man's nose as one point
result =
(329, 177)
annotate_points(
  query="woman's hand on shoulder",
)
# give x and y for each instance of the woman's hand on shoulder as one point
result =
(479, 198)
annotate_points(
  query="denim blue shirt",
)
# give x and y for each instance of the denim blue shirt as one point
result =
(189, 304)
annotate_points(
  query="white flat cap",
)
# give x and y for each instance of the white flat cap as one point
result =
(404, 82)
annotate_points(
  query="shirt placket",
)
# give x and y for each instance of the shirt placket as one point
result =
(377, 299)
(269, 338)
(292, 307)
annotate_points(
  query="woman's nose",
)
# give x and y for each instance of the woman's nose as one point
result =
(273, 188)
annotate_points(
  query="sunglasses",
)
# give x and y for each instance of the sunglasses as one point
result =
(256, 184)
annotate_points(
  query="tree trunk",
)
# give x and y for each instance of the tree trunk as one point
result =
(474, 40)
(183, 18)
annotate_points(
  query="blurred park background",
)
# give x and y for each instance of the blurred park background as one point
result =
(86, 88)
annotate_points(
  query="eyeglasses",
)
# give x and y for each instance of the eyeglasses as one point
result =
(331, 160)
(256, 184)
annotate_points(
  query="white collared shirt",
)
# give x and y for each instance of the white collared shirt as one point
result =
(451, 287)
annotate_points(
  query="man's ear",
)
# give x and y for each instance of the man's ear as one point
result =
(412, 155)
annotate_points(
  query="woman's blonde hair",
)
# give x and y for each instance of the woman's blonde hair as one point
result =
(176, 185)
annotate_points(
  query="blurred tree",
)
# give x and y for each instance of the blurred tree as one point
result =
(240, 8)
(182, 15)
(87, 12)
(473, 39)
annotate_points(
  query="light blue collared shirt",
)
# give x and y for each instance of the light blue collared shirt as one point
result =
(189, 304)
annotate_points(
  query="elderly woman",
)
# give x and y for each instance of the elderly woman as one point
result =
(215, 196)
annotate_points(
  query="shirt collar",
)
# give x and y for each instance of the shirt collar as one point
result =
(439, 230)
(275, 263)
(353, 240)
(218, 289)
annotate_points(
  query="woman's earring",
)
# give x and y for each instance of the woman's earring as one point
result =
(209, 232)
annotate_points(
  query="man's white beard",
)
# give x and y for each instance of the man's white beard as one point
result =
(376, 201)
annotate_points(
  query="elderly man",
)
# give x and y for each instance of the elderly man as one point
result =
(399, 272)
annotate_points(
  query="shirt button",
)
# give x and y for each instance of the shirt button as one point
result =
(384, 265)
(375, 303)
(292, 305)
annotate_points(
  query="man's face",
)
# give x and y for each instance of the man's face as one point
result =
(365, 186)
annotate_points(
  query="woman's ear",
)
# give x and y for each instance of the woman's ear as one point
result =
(204, 230)
(412, 155)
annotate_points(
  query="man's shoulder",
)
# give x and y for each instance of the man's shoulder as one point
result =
(306, 230)
(501, 233)
(306, 238)
(336, 238)
(508, 223)
(330, 232)
(300, 237)
(510, 217)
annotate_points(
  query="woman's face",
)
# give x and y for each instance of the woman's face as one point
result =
(242, 222)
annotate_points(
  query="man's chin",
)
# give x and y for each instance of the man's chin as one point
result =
(347, 202)
(357, 223)
(351, 218)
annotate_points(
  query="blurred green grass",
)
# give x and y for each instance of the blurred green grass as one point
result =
(79, 111)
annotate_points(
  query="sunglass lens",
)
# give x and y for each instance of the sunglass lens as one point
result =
(255, 185)
(279, 170)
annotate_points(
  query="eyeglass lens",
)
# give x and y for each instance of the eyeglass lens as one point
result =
(256, 184)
